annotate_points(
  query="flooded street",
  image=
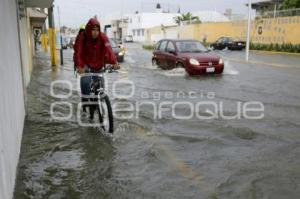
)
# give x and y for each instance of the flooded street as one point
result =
(153, 155)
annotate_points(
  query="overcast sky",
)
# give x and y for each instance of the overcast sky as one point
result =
(75, 12)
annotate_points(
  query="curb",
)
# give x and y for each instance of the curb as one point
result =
(275, 52)
(263, 63)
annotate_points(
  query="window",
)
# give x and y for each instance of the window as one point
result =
(138, 32)
(157, 46)
(190, 46)
(220, 40)
(227, 39)
(162, 46)
(133, 31)
(170, 47)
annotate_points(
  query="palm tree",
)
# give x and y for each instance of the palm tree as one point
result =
(186, 17)
(290, 4)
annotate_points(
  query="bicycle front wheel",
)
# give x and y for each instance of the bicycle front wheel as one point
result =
(105, 115)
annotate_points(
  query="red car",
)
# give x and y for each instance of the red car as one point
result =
(189, 54)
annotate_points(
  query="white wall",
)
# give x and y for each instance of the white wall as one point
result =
(172, 33)
(12, 110)
(26, 48)
(148, 20)
(156, 37)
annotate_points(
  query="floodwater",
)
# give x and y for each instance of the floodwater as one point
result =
(162, 147)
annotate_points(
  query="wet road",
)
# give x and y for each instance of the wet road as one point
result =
(159, 156)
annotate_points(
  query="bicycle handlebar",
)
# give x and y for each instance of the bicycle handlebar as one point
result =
(107, 67)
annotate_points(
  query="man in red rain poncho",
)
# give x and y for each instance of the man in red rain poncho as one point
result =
(92, 51)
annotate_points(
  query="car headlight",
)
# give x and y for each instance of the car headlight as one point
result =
(221, 61)
(194, 62)
(120, 53)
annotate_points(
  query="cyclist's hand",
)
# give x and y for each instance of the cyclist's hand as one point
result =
(116, 66)
(80, 70)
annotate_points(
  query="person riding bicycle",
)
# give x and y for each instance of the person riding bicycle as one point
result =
(92, 51)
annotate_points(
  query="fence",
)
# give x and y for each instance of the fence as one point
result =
(280, 13)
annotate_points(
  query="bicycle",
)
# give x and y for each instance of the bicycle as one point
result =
(99, 100)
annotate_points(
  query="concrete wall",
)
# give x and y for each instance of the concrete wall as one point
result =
(26, 52)
(149, 20)
(12, 110)
(155, 34)
(269, 30)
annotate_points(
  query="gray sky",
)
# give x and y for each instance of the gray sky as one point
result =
(75, 12)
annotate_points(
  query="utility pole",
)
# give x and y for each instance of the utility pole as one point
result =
(248, 30)
(275, 8)
(122, 20)
(52, 37)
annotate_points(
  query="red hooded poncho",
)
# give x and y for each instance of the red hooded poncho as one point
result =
(92, 52)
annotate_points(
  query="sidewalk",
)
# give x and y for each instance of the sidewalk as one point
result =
(262, 57)
(50, 158)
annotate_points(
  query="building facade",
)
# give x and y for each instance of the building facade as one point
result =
(16, 50)
(137, 24)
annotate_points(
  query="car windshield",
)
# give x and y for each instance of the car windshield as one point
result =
(113, 43)
(190, 46)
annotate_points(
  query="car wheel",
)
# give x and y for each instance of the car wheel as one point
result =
(154, 62)
(121, 59)
(179, 65)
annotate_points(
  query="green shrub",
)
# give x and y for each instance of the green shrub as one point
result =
(284, 47)
(149, 47)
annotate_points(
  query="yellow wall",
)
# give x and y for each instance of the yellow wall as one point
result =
(270, 30)
(278, 30)
(212, 31)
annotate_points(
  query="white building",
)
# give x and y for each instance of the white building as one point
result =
(139, 22)
(110, 24)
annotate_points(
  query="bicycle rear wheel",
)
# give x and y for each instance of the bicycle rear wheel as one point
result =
(105, 115)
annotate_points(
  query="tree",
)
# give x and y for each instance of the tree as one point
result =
(186, 17)
(290, 4)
